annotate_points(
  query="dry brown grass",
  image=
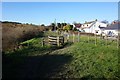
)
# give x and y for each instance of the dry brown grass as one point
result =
(15, 33)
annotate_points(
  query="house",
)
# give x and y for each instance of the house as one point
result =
(112, 30)
(87, 24)
(94, 27)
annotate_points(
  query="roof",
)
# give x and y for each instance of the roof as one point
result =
(101, 27)
(89, 22)
(77, 25)
(115, 26)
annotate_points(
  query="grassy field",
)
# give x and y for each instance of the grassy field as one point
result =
(82, 59)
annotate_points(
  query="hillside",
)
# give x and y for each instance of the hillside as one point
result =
(81, 60)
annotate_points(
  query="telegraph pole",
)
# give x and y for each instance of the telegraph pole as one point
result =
(64, 21)
(55, 24)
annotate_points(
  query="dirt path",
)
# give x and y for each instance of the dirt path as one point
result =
(32, 67)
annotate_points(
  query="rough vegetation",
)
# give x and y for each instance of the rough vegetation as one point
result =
(83, 60)
(13, 33)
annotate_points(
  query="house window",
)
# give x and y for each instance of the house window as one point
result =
(96, 31)
(110, 33)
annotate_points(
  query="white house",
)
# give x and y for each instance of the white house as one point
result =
(112, 30)
(94, 27)
(87, 24)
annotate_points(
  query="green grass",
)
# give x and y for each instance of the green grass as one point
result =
(96, 61)
(82, 59)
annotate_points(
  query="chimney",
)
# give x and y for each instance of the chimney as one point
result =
(113, 22)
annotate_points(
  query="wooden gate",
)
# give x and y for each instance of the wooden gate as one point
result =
(56, 40)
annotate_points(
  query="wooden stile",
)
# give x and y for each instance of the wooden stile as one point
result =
(56, 40)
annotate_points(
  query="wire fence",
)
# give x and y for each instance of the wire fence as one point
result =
(91, 38)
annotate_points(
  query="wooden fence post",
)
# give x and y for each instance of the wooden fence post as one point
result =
(73, 37)
(63, 40)
(106, 39)
(78, 37)
(88, 37)
(95, 40)
(58, 43)
(28, 44)
(67, 37)
(118, 39)
(42, 42)
(117, 42)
